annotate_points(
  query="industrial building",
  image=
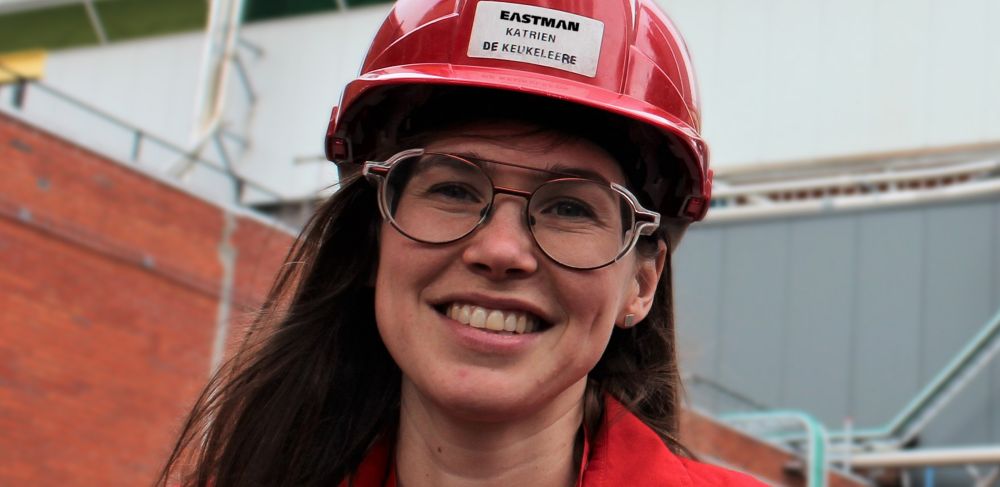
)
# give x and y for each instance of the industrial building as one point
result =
(838, 311)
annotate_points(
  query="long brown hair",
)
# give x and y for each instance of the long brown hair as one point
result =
(313, 386)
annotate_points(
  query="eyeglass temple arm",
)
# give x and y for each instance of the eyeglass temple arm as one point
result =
(650, 221)
(379, 168)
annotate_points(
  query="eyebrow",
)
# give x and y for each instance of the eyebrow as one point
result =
(555, 169)
(578, 172)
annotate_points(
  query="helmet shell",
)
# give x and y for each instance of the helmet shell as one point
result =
(620, 56)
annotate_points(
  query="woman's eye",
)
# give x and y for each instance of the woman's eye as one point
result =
(570, 209)
(454, 192)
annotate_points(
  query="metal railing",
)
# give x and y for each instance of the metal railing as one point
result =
(141, 138)
(949, 381)
(868, 446)
(890, 186)
(881, 446)
(760, 424)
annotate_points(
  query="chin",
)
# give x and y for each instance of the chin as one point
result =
(495, 399)
(485, 400)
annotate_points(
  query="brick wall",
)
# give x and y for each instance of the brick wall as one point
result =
(110, 284)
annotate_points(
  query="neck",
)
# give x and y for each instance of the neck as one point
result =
(436, 448)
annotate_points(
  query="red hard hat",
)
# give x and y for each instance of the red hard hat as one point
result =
(623, 57)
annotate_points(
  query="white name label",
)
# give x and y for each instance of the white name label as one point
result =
(537, 35)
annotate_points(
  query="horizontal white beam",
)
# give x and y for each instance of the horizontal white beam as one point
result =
(845, 180)
(926, 457)
(830, 204)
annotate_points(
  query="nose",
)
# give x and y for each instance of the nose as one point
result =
(502, 248)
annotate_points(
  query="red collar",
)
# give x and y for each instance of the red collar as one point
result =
(624, 452)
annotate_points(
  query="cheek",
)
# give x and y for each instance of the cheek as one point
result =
(602, 295)
(390, 277)
(405, 269)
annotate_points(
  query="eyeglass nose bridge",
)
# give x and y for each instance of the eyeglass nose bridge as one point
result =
(511, 191)
(488, 209)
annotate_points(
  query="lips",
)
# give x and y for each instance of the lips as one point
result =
(497, 320)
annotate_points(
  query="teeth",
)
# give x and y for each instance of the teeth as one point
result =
(492, 319)
(478, 318)
(510, 324)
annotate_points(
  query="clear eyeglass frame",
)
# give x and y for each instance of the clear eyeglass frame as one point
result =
(644, 221)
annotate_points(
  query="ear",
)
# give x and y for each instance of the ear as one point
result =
(639, 300)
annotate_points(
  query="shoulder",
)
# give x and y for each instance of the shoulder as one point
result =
(705, 474)
(627, 452)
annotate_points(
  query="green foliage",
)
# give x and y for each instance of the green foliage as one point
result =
(66, 26)
(358, 3)
(269, 9)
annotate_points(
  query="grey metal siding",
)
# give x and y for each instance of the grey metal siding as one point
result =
(843, 315)
(818, 311)
(751, 325)
(887, 338)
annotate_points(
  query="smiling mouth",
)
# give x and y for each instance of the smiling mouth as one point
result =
(501, 321)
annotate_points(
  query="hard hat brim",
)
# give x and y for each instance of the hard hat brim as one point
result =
(538, 85)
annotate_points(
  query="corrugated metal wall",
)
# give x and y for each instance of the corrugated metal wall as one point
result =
(843, 315)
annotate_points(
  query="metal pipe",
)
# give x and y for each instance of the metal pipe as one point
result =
(916, 413)
(95, 21)
(817, 469)
(856, 179)
(221, 35)
(959, 371)
(136, 145)
(825, 163)
(719, 214)
(937, 457)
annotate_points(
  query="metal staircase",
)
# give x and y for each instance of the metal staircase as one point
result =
(884, 446)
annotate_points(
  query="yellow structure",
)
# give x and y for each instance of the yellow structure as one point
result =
(23, 64)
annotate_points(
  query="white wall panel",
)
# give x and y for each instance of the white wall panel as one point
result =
(788, 80)
(957, 75)
(308, 62)
(149, 82)
(843, 89)
(991, 67)
(899, 73)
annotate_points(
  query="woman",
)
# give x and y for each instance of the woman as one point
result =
(486, 299)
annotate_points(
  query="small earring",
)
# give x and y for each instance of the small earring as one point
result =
(629, 321)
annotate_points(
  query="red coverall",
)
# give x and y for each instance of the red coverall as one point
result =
(625, 453)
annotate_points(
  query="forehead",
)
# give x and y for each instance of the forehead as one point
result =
(529, 146)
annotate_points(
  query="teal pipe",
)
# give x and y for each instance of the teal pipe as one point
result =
(817, 468)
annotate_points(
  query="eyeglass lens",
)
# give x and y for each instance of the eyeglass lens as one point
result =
(438, 198)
